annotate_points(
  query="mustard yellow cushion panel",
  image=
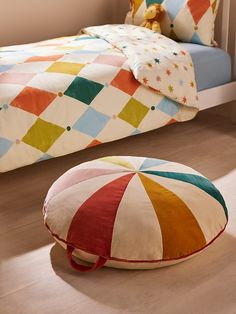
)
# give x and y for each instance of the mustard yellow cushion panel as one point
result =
(133, 212)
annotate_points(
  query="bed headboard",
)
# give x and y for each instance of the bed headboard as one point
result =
(225, 29)
(223, 24)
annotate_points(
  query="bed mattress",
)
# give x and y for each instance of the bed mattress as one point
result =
(212, 65)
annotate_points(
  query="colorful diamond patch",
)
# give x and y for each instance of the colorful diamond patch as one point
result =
(169, 107)
(134, 112)
(114, 60)
(91, 122)
(15, 78)
(66, 68)
(125, 81)
(5, 145)
(42, 135)
(198, 8)
(44, 58)
(33, 100)
(84, 90)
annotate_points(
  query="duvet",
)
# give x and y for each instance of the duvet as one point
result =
(66, 94)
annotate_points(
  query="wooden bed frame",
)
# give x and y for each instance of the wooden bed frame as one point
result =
(225, 93)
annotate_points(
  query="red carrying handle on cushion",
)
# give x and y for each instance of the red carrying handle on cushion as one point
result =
(99, 263)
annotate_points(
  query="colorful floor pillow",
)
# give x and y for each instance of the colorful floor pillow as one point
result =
(133, 213)
(185, 20)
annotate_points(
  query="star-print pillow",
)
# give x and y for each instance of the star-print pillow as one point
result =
(185, 20)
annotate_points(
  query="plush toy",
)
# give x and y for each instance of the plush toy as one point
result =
(153, 16)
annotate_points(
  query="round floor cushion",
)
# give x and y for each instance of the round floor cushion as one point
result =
(133, 212)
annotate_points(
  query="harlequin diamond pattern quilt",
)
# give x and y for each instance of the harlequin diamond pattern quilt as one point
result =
(66, 94)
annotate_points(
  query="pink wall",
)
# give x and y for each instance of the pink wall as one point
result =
(24, 21)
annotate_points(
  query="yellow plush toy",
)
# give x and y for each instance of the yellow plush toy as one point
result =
(153, 16)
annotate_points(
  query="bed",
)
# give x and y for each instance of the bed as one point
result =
(64, 95)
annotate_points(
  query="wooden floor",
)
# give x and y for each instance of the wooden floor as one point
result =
(35, 277)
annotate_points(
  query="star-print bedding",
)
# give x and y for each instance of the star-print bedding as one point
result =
(66, 94)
